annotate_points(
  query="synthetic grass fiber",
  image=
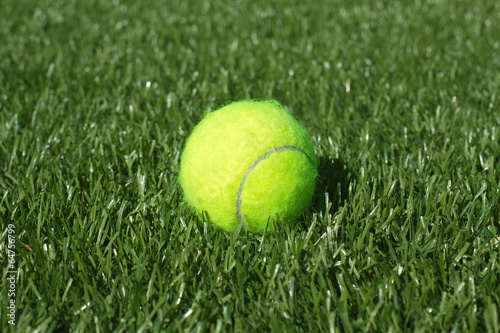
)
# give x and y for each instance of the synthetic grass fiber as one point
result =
(400, 98)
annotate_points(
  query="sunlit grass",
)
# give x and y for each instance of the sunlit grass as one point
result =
(400, 100)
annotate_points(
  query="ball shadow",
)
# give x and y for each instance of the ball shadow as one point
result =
(334, 180)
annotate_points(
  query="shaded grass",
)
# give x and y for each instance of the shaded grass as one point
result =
(400, 100)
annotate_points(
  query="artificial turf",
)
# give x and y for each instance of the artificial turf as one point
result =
(400, 98)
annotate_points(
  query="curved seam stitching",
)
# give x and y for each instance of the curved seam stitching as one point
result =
(254, 165)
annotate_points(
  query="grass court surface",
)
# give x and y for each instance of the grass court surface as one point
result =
(400, 98)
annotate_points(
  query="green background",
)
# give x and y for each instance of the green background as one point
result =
(400, 99)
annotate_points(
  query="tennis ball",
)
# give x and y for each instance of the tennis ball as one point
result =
(249, 162)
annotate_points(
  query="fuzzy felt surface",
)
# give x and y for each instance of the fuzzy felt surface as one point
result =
(231, 155)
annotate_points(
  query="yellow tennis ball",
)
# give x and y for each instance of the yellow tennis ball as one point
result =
(249, 162)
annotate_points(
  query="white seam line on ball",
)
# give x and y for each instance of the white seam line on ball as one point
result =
(254, 165)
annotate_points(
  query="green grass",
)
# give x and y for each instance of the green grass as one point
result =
(401, 100)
